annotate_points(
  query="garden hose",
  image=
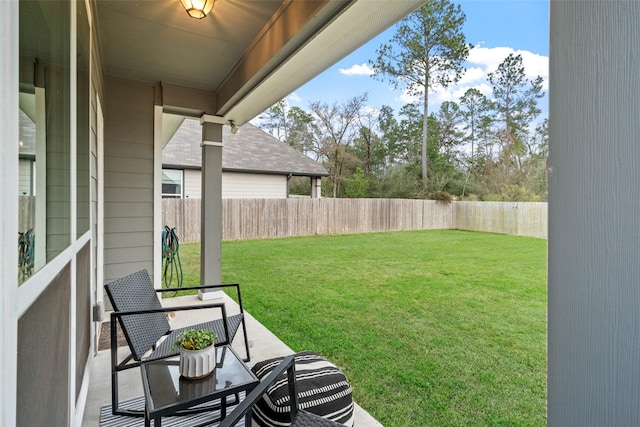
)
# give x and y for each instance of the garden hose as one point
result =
(26, 242)
(171, 266)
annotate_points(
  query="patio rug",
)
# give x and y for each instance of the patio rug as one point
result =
(107, 419)
(104, 341)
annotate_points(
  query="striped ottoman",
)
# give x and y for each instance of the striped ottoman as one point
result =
(322, 389)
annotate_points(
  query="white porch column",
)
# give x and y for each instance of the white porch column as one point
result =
(8, 210)
(316, 186)
(211, 210)
(594, 205)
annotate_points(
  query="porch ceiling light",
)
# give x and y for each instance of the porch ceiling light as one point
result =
(198, 8)
(234, 128)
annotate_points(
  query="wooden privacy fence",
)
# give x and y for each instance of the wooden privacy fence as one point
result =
(258, 218)
(26, 213)
(268, 218)
(264, 218)
(515, 218)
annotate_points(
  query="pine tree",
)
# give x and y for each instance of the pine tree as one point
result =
(427, 52)
(515, 105)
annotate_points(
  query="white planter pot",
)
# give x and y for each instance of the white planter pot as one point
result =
(197, 363)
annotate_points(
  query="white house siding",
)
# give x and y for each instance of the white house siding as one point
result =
(128, 178)
(237, 185)
(24, 180)
(192, 184)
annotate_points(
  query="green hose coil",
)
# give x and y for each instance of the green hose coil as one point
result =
(171, 266)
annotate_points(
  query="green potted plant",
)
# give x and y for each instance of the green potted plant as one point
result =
(197, 352)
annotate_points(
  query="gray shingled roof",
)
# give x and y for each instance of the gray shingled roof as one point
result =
(250, 150)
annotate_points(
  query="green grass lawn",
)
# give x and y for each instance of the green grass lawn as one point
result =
(432, 328)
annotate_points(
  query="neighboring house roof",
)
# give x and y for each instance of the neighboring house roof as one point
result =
(250, 150)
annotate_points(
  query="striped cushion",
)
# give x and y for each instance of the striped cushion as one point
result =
(322, 389)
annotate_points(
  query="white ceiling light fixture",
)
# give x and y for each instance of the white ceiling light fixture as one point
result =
(234, 128)
(198, 8)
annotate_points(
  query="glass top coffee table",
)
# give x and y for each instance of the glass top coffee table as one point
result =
(167, 393)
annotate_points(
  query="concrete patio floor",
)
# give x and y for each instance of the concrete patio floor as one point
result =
(263, 345)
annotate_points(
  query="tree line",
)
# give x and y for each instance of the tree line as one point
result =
(477, 147)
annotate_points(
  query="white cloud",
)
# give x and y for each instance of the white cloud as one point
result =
(483, 87)
(536, 65)
(357, 70)
(294, 98)
(487, 59)
(472, 75)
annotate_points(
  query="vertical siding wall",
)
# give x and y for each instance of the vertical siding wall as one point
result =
(594, 200)
(268, 218)
(128, 177)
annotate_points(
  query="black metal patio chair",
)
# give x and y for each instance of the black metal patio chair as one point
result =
(143, 321)
(299, 417)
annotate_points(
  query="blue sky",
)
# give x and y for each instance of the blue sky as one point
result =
(495, 27)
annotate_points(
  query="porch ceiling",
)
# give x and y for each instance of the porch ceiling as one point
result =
(247, 54)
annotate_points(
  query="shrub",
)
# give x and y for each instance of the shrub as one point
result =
(442, 196)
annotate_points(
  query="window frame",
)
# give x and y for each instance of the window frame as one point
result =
(174, 195)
